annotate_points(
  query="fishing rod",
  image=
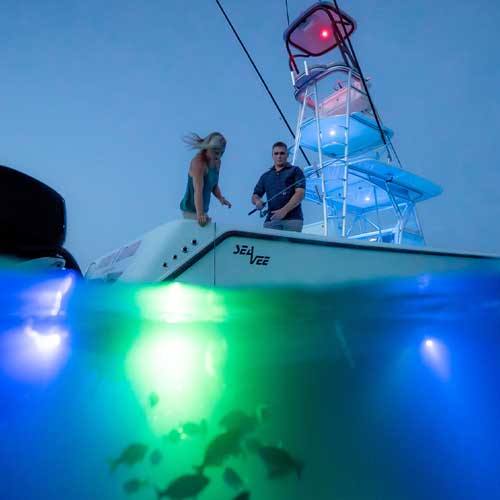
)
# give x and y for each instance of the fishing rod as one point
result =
(283, 117)
(263, 212)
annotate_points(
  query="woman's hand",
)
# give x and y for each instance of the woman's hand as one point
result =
(203, 220)
(225, 202)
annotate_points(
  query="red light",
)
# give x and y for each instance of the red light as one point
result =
(325, 34)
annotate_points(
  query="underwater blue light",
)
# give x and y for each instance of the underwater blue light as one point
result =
(48, 297)
(435, 355)
(34, 354)
(34, 343)
(47, 343)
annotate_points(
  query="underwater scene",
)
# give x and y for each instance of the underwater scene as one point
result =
(375, 391)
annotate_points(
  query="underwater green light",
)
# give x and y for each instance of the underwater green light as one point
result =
(178, 303)
(182, 366)
(179, 352)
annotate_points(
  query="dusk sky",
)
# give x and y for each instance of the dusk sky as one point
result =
(96, 97)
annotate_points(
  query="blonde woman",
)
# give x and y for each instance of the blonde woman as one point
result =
(203, 177)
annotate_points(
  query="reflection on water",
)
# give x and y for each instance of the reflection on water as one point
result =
(386, 390)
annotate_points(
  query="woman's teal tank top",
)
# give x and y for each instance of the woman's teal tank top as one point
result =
(210, 180)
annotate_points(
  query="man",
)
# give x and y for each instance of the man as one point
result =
(284, 186)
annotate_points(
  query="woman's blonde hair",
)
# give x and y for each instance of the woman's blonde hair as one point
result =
(215, 140)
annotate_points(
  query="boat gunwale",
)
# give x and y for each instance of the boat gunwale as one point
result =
(274, 235)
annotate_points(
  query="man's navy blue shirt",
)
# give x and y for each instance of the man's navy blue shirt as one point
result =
(285, 182)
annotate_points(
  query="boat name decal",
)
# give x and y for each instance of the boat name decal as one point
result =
(258, 260)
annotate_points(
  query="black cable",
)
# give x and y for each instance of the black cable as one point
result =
(261, 77)
(365, 86)
(287, 15)
(375, 112)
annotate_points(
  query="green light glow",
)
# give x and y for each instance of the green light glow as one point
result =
(178, 303)
(174, 365)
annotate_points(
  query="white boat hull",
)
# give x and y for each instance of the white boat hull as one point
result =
(219, 255)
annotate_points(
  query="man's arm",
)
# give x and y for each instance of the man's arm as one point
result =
(257, 201)
(296, 199)
(293, 202)
(258, 192)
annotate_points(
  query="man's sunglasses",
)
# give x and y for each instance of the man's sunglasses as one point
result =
(279, 153)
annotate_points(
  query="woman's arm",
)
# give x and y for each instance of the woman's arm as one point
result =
(217, 193)
(197, 172)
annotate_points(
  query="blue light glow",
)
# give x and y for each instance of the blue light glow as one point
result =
(47, 343)
(34, 355)
(34, 343)
(435, 355)
(47, 298)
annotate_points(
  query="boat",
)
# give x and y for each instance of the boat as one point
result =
(369, 227)
(379, 390)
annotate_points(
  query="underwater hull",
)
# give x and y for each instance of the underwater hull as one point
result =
(222, 256)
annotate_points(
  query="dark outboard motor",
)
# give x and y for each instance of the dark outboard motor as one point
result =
(32, 219)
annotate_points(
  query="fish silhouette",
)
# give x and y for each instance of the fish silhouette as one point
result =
(132, 454)
(220, 449)
(186, 486)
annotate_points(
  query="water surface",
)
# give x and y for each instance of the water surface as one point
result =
(382, 390)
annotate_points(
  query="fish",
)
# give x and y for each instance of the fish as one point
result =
(134, 485)
(174, 436)
(238, 420)
(186, 486)
(246, 423)
(221, 448)
(156, 457)
(244, 495)
(263, 413)
(131, 455)
(153, 399)
(279, 462)
(232, 478)
(192, 429)
(253, 445)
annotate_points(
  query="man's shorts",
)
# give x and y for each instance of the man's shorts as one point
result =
(285, 225)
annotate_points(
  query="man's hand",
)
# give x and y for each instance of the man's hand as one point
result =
(258, 203)
(278, 214)
(225, 202)
(203, 220)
